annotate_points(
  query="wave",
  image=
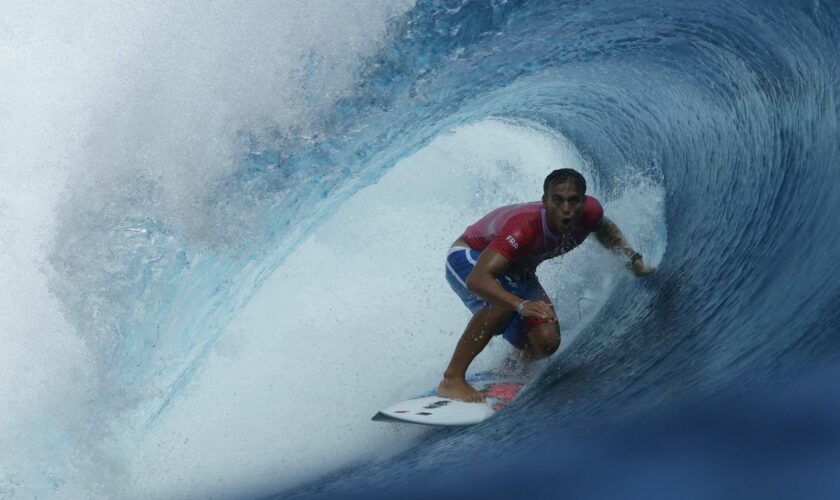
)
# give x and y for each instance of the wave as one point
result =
(709, 133)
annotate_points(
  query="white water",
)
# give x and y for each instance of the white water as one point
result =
(95, 96)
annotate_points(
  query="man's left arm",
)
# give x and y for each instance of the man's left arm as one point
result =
(610, 236)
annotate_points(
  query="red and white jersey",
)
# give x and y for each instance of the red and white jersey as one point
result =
(521, 234)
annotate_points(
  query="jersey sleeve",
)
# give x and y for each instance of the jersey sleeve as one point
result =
(515, 236)
(593, 214)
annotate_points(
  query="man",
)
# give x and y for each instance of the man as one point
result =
(492, 268)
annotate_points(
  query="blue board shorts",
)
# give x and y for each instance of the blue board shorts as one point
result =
(460, 262)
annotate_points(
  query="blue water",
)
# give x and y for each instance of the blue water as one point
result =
(732, 108)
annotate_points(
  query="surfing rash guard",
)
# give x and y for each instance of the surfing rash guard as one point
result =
(521, 234)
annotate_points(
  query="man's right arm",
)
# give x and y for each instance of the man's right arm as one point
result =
(482, 282)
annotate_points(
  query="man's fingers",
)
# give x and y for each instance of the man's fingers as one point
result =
(543, 311)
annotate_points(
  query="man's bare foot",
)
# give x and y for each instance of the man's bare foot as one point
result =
(460, 390)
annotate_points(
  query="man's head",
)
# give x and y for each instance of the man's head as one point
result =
(565, 175)
(563, 194)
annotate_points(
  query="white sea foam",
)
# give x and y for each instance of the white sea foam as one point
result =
(97, 97)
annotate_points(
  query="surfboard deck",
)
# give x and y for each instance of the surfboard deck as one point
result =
(429, 409)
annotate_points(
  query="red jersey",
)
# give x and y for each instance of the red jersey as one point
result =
(521, 234)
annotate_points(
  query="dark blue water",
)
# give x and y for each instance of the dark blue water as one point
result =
(714, 377)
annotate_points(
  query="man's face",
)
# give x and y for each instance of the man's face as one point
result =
(563, 206)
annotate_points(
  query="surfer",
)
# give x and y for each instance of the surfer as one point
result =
(492, 268)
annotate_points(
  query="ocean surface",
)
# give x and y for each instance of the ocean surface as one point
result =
(222, 233)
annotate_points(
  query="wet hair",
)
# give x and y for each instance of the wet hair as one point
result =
(565, 175)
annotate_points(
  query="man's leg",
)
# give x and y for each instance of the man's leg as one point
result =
(540, 342)
(487, 321)
(543, 341)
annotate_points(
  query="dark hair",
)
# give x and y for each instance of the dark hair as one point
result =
(565, 175)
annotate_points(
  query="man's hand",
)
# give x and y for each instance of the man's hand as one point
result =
(641, 269)
(538, 309)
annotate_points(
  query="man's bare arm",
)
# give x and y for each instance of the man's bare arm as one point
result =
(482, 282)
(610, 236)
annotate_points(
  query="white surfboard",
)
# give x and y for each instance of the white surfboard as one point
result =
(429, 409)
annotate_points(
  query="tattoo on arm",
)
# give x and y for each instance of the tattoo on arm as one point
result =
(610, 236)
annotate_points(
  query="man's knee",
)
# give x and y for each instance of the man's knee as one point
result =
(545, 339)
